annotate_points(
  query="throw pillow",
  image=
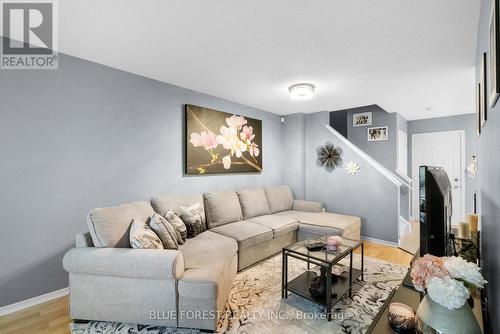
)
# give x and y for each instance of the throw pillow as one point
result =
(166, 232)
(141, 236)
(194, 218)
(179, 225)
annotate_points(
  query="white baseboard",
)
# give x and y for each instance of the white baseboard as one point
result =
(24, 304)
(378, 241)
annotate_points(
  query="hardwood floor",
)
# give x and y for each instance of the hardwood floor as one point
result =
(52, 317)
(387, 253)
(48, 318)
(411, 241)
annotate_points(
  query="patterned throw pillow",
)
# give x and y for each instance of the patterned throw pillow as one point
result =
(194, 218)
(179, 225)
(166, 232)
(141, 236)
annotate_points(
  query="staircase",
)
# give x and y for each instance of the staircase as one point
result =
(402, 183)
(384, 156)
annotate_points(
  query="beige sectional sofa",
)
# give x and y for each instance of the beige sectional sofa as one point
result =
(187, 287)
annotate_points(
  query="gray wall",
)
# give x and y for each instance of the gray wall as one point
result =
(461, 122)
(86, 136)
(402, 123)
(338, 121)
(368, 195)
(293, 153)
(489, 173)
(383, 151)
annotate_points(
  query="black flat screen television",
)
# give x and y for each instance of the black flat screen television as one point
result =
(435, 211)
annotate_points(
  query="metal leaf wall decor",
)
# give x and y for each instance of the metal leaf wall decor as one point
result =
(329, 156)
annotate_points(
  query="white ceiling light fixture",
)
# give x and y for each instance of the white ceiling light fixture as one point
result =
(301, 91)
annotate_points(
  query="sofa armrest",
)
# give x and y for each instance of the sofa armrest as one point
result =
(125, 262)
(308, 206)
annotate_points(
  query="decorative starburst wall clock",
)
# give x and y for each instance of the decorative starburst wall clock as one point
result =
(329, 156)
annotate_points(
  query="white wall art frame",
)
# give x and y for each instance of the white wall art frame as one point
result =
(362, 119)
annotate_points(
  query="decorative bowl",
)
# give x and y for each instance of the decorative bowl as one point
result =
(401, 317)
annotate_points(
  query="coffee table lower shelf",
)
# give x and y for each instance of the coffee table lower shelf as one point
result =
(340, 286)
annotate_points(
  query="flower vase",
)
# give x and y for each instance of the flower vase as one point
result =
(435, 318)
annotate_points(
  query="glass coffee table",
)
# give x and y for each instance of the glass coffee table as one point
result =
(326, 260)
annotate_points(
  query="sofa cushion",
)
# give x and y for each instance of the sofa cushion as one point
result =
(109, 227)
(143, 237)
(207, 250)
(308, 206)
(253, 202)
(167, 233)
(279, 224)
(245, 233)
(163, 204)
(179, 225)
(194, 218)
(299, 215)
(326, 222)
(280, 198)
(222, 207)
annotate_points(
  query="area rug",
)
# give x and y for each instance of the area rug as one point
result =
(255, 304)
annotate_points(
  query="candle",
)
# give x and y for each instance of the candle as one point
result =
(333, 242)
(473, 219)
(463, 230)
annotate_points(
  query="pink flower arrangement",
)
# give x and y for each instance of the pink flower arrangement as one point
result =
(426, 267)
(446, 279)
(237, 137)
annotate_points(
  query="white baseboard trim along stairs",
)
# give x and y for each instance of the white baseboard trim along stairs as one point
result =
(24, 304)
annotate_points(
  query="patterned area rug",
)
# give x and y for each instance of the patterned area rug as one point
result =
(255, 304)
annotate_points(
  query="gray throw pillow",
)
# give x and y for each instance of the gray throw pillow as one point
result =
(141, 236)
(179, 225)
(194, 218)
(164, 230)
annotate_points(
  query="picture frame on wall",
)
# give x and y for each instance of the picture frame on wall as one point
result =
(218, 142)
(483, 92)
(478, 109)
(494, 56)
(362, 119)
(379, 133)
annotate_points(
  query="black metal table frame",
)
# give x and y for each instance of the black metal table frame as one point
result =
(322, 263)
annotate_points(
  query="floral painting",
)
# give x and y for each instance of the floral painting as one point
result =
(219, 142)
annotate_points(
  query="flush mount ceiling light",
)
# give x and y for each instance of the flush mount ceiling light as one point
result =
(301, 91)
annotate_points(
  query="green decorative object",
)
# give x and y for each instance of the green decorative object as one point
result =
(433, 318)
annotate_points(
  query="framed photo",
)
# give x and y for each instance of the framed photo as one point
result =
(483, 92)
(362, 119)
(217, 142)
(378, 133)
(478, 109)
(494, 58)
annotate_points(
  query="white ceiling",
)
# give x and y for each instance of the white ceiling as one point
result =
(404, 55)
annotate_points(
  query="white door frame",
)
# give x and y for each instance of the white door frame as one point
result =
(414, 213)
